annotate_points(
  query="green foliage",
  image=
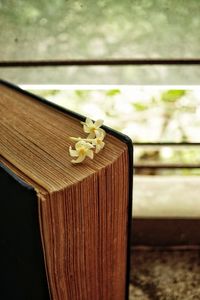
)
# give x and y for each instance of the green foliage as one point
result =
(140, 106)
(46, 93)
(172, 95)
(81, 94)
(113, 92)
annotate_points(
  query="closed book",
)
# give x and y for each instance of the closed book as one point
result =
(64, 227)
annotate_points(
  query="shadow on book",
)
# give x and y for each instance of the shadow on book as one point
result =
(64, 228)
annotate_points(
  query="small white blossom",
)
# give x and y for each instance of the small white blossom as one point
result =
(92, 128)
(98, 141)
(83, 149)
(84, 146)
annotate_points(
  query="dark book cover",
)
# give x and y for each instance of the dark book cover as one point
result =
(22, 265)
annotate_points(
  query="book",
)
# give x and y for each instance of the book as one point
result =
(64, 227)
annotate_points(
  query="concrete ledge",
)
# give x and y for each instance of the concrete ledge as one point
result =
(166, 196)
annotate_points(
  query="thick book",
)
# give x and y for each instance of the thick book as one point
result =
(64, 227)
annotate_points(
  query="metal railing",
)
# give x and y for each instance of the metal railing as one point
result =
(99, 62)
(166, 165)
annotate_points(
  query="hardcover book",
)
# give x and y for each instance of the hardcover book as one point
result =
(64, 227)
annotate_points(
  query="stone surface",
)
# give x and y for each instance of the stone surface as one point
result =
(137, 294)
(165, 274)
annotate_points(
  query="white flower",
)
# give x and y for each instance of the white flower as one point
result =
(93, 141)
(92, 128)
(83, 149)
(98, 141)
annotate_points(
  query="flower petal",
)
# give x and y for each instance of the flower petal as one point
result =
(102, 145)
(90, 154)
(91, 135)
(88, 122)
(100, 133)
(79, 144)
(88, 146)
(79, 159)
(72, 152)
(98, 148)
(98, 123)
(75, 139)
(86, 129)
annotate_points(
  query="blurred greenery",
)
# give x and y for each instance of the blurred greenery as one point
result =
(140, 106)
(172, 95)
(113, 92)
(146, 115)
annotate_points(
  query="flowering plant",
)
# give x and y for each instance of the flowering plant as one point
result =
(84, 146)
